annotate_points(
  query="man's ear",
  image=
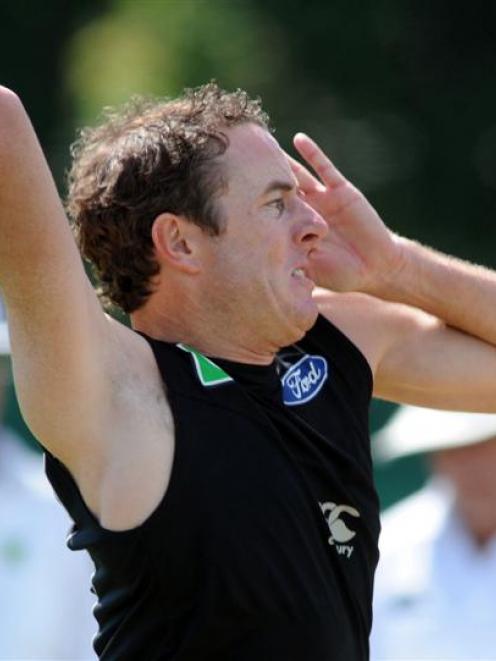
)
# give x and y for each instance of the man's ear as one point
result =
(176, 242)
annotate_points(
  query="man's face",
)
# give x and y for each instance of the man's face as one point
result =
(260, 260)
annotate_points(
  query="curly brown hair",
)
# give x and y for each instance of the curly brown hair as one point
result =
(147, 158)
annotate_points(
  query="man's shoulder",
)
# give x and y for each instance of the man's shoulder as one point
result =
(357, 316)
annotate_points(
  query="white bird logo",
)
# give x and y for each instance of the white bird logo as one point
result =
(339, 530)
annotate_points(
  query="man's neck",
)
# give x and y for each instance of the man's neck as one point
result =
(215, 337)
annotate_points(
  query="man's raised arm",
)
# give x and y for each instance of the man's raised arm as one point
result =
(58, 330)
(425, 321)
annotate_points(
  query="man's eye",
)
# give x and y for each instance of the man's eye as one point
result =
(278, 204)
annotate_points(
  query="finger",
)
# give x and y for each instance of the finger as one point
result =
(306, 181)
(315, 157)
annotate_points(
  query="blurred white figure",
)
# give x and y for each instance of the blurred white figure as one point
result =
(45, 598)
(435, 590)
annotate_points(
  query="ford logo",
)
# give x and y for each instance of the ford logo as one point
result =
(304, 380)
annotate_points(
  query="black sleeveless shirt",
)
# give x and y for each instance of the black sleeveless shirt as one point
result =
(265, 543)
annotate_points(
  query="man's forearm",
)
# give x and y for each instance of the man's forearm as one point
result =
(461, 294)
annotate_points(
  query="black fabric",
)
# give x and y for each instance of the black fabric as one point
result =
(239, 561)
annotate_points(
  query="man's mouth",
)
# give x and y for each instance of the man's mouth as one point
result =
(301, 274)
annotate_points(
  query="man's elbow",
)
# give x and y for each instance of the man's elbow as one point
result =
(10, 105)
(13, 120)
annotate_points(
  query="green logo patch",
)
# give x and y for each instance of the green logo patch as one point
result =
(208, 372)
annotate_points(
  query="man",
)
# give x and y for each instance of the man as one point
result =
(216, 461)
(45, 603)
(436, 580)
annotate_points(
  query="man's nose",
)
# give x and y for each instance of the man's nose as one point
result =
(311, 227)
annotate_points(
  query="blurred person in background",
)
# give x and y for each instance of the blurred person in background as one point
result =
(434, 594)
(45, 598)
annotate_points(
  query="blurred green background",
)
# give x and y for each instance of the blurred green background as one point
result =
(401, 95)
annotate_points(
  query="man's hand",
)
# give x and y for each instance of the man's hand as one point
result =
(359, 253)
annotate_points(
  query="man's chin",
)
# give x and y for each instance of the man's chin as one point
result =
(312, 318)
(305, 320)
